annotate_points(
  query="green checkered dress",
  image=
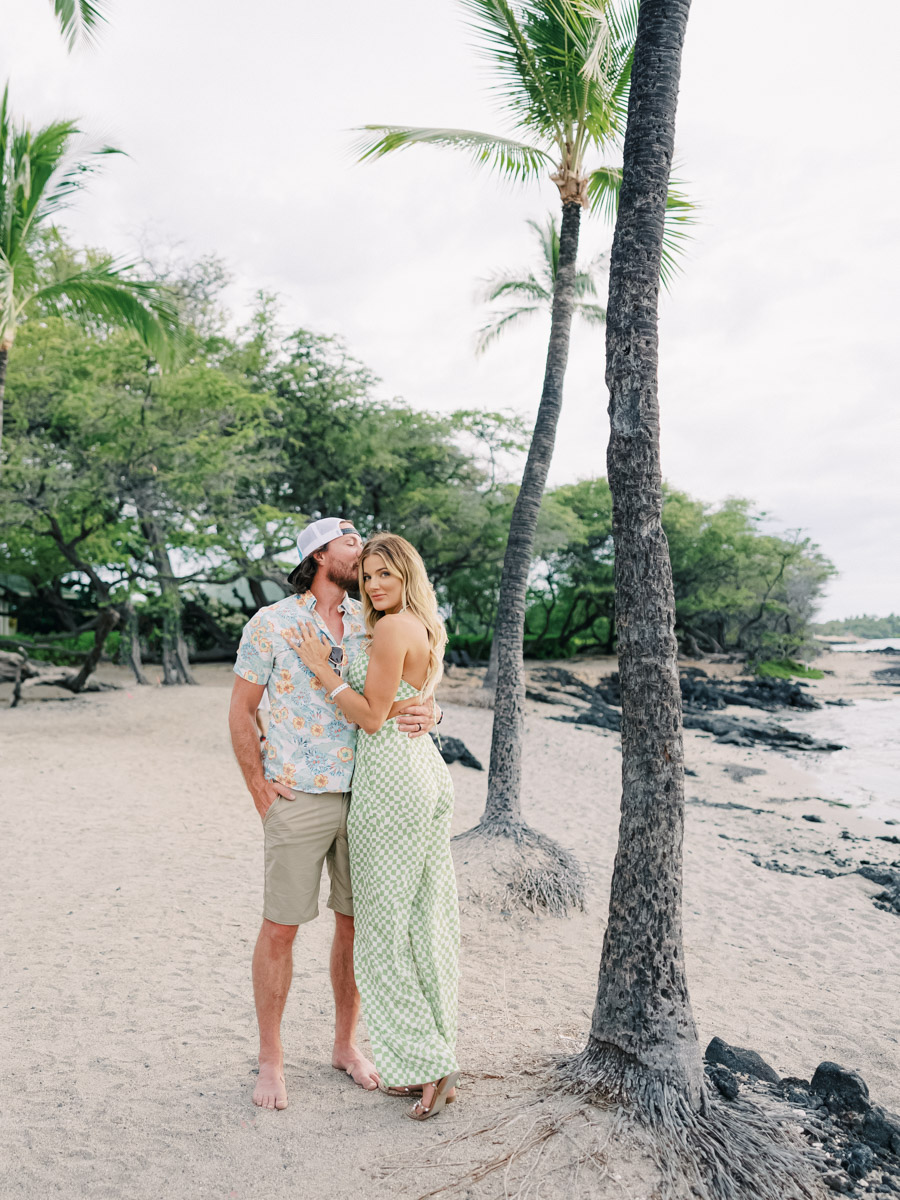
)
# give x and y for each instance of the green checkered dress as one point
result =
(405, 906)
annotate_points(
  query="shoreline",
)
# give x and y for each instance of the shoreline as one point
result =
(133, 864)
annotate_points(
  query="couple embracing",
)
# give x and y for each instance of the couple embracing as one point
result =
(348, 777)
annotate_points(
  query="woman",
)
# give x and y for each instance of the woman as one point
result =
(404, 889)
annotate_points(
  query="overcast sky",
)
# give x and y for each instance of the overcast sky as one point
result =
(778, 375)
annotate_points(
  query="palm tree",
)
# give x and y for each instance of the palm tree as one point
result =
(78, 20)
(39, 177)
(642, 1018)
(642, 1051)
(535, 295)
(534, 290)
(563, 70)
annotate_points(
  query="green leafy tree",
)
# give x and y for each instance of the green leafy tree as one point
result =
(531, 292)
(339, 448)
(136, 492)
(571, 602)
(129, 475)
(863, 626)
(562, 71)
(738, 587)
(39, 176)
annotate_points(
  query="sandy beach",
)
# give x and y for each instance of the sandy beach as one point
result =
(132, 862)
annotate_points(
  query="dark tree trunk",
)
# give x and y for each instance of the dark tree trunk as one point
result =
(67, 615)
(131, 644)
(175, 660)
(4, 358)
(109, 619)
(503, 806)
(257, 593)
(642, 1027)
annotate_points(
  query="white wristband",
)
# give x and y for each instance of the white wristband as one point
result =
(342, 687)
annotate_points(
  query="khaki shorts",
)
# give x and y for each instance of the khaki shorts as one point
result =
(301, 835)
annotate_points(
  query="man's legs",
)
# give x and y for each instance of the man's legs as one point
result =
(346, 1055)
(272, 969)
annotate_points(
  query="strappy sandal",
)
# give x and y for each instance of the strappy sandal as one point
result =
(399, 1090)
(415, 1089)
(419, 1112)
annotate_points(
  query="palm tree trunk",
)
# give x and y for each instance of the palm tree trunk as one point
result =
(503, 808)
(4, 359)
(642, 1032)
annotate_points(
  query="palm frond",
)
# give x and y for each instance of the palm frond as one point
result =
(529, 285)
(503, 39)
(548, 239)
(515, 285)
(594, 314)
(38, 176)
(108, 293)
(681, 213)
(79, 20)
(489, 333)
(585, 284)
(515, 160)
(604, 186)
(623, 18)
(71, 175)
(583, 51)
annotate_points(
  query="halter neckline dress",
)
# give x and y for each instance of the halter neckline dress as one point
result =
(406, 913)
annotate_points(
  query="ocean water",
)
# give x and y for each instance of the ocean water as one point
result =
(869, 644)
(866, 774)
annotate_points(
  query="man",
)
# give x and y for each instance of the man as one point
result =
(300, 787)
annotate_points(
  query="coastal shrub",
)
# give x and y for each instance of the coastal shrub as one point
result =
(787, 668)
(862, 626)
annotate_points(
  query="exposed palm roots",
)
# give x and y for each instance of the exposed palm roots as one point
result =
(545, 1147)
(730, 1151)
(508, 866)
(574, 1139)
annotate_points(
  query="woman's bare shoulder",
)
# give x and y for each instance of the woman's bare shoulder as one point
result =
(401, 626)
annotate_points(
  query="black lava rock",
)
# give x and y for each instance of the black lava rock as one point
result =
(881, 1129)
(859, 1161)
(724, 1081)
(842, 1090)
(796, 1091)
(454, 750)
(888, 877)
(735, 1058)
(838, 1182)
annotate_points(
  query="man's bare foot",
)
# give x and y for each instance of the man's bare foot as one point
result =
(357, 1066)
(270, 1091)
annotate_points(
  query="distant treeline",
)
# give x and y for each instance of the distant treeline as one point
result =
(864, 626)
(155, 494)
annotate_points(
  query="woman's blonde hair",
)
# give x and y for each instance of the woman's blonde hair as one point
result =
(405, 562)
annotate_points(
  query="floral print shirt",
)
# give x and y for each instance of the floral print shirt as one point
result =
(310, 745)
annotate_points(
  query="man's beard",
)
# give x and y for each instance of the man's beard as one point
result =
(343, 576)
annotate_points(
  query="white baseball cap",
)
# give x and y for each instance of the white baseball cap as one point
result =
(319, 533)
